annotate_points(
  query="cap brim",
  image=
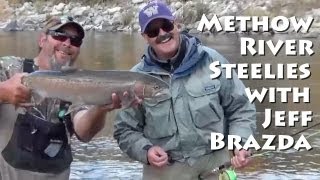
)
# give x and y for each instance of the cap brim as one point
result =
(71, 23)
(171, 18)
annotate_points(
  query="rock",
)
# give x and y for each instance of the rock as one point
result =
(113, 10)
(316, 25)
(196, 24)
(88, 27)
(59, 7)
(266, 34)
(47, 9)
(12, 26)
(68, 7)
(194, 31)
(27, 6)
(178, 5)
(80, 11)
(190, 4)
(107, 27)
(136, 27)
(91, 14)
(3, 24)
(141, 5)
(124, 29)
(55, 12)
(98, 20)
(313, 34)
(137, 1)
(207, 33)
(116, 19)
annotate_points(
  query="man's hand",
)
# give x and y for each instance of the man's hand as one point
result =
(157, 156)
(14, 92)
(116, 102)
(241, 158)
(136, 100)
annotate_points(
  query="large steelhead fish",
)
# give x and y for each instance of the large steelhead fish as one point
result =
(95, 87)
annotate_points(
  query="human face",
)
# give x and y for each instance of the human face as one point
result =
(61, 47)
(165, 43)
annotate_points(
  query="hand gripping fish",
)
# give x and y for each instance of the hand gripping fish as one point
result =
(95, 87)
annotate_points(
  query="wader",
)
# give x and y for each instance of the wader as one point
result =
(38, 145)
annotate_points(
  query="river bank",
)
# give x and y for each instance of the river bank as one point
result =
(123, 16)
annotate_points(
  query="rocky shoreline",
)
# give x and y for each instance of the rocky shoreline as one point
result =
(123, 17)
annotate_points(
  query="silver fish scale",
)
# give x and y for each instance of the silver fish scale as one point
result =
(92, 87)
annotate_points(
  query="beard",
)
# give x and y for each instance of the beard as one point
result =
(58, 65)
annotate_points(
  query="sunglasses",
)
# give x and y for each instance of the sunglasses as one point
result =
(153, 30)
(62, 36)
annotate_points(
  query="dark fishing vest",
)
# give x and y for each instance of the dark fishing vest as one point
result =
(39, 145)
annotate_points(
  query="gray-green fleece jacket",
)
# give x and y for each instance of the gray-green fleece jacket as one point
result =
(182, 124)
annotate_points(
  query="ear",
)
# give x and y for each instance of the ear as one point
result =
(145, 37)
(42, 39)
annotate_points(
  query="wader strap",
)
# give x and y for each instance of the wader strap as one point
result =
(28, 65)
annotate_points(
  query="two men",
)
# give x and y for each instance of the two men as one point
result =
(172, 136)
(35, 144)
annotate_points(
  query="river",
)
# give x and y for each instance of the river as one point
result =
(102, 159)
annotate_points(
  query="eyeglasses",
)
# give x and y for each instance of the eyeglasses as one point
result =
(62, 36)
(153, 30)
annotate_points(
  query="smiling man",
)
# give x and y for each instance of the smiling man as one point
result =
(172, 136)
(35, 142)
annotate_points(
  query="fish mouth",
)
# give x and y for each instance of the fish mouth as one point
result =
(162, 94)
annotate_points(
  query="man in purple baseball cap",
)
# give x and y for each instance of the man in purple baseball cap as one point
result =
(159, 30)
(172, 136)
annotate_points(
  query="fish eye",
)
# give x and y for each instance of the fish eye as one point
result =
(156, 87)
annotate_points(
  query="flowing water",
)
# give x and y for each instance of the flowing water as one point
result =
(102, 159)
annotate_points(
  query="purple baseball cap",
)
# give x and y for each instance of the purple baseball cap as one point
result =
(153, 11)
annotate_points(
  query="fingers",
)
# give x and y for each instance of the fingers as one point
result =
(157, 156)
(136, 101)
(241, 158)
(116, 102)
(17, 92)
(238, 162)
(160, 163)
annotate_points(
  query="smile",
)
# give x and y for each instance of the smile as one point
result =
(64, 53)
(166, 40)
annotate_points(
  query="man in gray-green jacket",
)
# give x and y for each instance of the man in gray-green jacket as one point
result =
(172, 136)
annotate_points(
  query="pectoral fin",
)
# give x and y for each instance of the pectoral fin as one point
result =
(36, 98)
